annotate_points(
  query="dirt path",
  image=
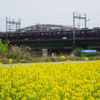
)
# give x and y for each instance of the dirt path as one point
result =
(4, 65)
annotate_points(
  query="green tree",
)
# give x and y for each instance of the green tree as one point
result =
(4, 48)
(77, 51)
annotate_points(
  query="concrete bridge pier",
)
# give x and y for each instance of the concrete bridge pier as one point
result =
(47, 52)
(44, 52)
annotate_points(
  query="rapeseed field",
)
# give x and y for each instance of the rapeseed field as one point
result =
(64, 81)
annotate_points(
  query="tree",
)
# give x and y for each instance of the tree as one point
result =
(4, 48)
(77, 51)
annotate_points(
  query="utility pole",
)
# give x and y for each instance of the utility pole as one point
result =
(73, 29)
(12, 25)
(78, 16)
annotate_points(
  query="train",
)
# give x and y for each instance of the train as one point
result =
(51, 35)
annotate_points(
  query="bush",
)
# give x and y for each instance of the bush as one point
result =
(3, 48)
(90, 54)
(77, 52)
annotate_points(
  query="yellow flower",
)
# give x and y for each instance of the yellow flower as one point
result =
(10, 60)
(50, 81)
(62, 57)
(68, 60)
(86, 58)
(0, 64)
(8, 98)
(43, 99)
(24, 98)
(91, 98)
(74, 98)
(65, 99)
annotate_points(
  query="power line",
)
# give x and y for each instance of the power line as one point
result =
(58, 18)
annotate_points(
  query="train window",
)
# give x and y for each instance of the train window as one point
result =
(82, 32)
(64, 32)
(38, 33)
(31, 34)
(34, 33)
(13, 34)
(92, 31)
(21, 34)
(46, 33)
(58, 32)
(10, 35)
(88, 31)
(64, 37)
(96, 31)
(17, 34)
(50, 33)
(78, 31)
(28, 34)
(42, 33)
(2, 35)
(26, 39)
(70, 32)
(54, 33)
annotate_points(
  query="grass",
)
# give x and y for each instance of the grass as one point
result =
(22, 55)
(32, 59)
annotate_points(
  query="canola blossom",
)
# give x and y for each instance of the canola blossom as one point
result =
(86, 58)
(63, 57)
(10, 61)
(64, 81)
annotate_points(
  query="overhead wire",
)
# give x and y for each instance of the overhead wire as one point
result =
(53, 18)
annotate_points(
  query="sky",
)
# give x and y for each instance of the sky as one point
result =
(59, 12)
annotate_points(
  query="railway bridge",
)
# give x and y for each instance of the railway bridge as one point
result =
(59, 45)
(55, 40)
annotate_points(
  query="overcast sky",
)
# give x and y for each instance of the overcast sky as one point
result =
(49, 12)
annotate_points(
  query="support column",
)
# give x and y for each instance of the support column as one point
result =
(44, 52)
